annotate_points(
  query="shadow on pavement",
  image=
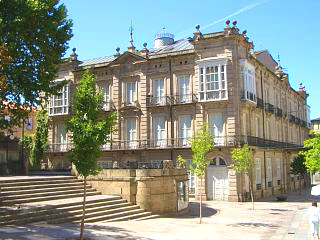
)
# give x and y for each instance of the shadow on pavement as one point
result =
(253, 224)
(65, 232)
(194, 211)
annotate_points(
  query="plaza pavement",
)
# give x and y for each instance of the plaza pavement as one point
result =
(271, 220)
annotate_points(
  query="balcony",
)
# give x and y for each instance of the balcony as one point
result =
(297, 120)
(185, 99)
(246, 95)
(278, 112)
(269, 107)
(266, 143)
(292, 118)
(259, 103)
(59, 147)
(108, 106)
(154, 101)
(130, 105)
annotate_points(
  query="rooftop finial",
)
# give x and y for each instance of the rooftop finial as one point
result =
(131, 37)
(73, 55)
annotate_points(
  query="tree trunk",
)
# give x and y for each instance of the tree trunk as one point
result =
(84, 207)
(251, 192)
(200, 218)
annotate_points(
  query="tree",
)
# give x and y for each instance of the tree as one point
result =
(40, 139)
(298, 167)
(34, 37)
(242, 163)
(200, 147)
(90, 129)
(312, 153)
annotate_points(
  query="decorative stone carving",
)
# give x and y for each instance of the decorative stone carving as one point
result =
(167, 164)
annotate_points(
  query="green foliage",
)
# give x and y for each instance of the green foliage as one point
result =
(200, 146)
(298, 166)
(242, 159)
(34, 37)
(27, 144)
(312, 154)
(40, 140)
(90, 129)
(181, 161)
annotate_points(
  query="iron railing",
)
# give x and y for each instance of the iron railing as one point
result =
(269, 107)
(158, 101)
(130, 104)
(185, 98)
(292, 118)
(169, 143)
(259, 103)
(278, 112)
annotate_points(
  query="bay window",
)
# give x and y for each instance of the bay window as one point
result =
(59, 104)
(249, 82)
(213, 79)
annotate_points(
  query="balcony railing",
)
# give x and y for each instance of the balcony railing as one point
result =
(108, 106)
(185, 98)
(259, 103)
(278, 112)
(269, 107)
(246, 95)
(266, 143)
(222, 141)
(292, 118)
(59, 147)
(130, 104)
(158, 101)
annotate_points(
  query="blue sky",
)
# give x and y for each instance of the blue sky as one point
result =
(287, 27)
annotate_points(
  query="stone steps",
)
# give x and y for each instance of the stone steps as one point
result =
(59, 200)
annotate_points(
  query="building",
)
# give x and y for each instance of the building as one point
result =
(315, 123)
(165, 94)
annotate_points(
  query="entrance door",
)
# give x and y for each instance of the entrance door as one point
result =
(218, 184)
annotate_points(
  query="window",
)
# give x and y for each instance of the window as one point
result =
(191, 178)
(106, 90)
(269, 171)
(278, 161)
(184, 89)
(159, 130)
(217, 161)
(158, 91)
(105, 164)
(59, 104)
(216, 126)
(213, 81)
(258, 173)
(132, 132)
(61, 137)
(249, 82)
(185, 130)
(130, 90)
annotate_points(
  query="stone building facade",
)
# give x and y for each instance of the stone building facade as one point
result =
(165, 94)
(315, 123)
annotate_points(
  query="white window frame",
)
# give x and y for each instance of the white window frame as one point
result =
(184, 140)
(258, 171)
(132, 143)
(184, 95)
(219, 140)
(158, 93)
(279, 163)
(212, 63)
(159, 131)
(134, 96)
(64, 106)
(249, 80)
(269, 170)
(192, 178)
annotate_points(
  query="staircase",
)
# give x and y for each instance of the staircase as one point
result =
(58, 199)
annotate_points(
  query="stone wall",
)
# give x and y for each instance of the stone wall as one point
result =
(154, 190)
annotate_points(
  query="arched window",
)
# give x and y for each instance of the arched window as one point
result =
(217, 161)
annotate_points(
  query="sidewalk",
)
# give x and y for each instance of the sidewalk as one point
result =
(271, 220)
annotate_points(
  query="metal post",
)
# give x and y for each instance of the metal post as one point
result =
(7, 157)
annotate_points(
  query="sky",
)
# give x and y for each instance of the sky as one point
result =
(288, 28)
